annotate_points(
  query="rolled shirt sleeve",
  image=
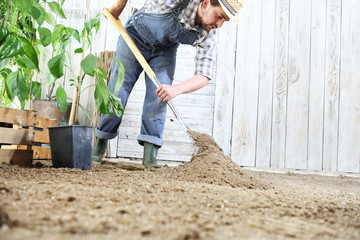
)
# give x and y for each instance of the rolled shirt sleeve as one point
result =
(205, 58)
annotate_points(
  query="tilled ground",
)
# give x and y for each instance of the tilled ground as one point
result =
(209, 198)
(121, 201)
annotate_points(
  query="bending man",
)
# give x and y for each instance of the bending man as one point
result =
(158, 28)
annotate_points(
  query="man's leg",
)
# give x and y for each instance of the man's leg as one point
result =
(154, 109)
(109, 124)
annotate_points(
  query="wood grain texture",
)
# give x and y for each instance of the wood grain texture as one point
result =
(266, 81)
(280, 85)
(316, 88)
(298, 85)
(349, 109)
(332, 74)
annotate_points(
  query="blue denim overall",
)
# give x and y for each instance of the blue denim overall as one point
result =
(157, 36)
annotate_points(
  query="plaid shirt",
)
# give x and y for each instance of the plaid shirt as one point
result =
(206, 47)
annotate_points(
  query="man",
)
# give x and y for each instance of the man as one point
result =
(158, 29)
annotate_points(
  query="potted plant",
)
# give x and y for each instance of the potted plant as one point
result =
(22, 41)
(71, 145)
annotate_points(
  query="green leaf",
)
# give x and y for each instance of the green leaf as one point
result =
(5, 72)
(78, 50)
(116, 106)
(16, 86)
(29, 51)
(56, 8)
(103, 98)
(88, 64)
(3, 33)
(120, 77)
(88, 39)
(74, 33)
(35, 12)
(61, 98)
(3, 63)
(56, 65)
(50, 19)
(11, 47)
(45, 36)
(23, 5)
(36, 90)
(25, 62)
(41, 18)
(60, 38)
(102, 94)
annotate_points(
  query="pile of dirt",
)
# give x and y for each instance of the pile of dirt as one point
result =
(211, 165)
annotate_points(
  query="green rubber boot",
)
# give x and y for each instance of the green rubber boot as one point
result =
(149, 157)
(98, 150)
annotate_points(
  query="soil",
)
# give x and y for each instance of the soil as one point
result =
(208, 198)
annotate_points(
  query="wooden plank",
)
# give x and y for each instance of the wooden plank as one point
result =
(208, 90)
(42, 136)
(298, 85)
(19, 117)
(349, 111)
(16, 136)
(17, 157)
(42, 122)
(246, 85)
(280, 85)
(317, 81)
(40, 152)
(186, 112)
(332, 71)
(113, 147)
(225, 72)
(266, 71)
(205, 101)
(170, 124)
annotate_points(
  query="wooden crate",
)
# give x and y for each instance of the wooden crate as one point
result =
(23, 135)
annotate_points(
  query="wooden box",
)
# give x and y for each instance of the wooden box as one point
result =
(23, 136)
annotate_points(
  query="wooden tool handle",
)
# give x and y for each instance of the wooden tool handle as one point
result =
(130, 43)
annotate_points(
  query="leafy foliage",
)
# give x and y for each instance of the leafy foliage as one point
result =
(22, 39)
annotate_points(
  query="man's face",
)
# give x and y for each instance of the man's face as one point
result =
(212, 17)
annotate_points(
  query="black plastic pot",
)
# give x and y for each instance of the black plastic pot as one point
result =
(71, 146)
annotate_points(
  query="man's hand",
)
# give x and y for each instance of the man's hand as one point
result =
(167, 92)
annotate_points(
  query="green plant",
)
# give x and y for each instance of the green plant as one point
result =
(61, 42)
(23, 38)
(19, 48)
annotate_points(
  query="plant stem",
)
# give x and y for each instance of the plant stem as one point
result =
(7, 14)
(3, 93)
(93, 85)
(76, 98)
(30, 76)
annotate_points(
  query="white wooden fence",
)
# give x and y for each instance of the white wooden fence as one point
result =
(286, 93)
(296, 79)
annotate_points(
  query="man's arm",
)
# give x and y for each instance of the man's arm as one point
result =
(117, 8)
(167, 92)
